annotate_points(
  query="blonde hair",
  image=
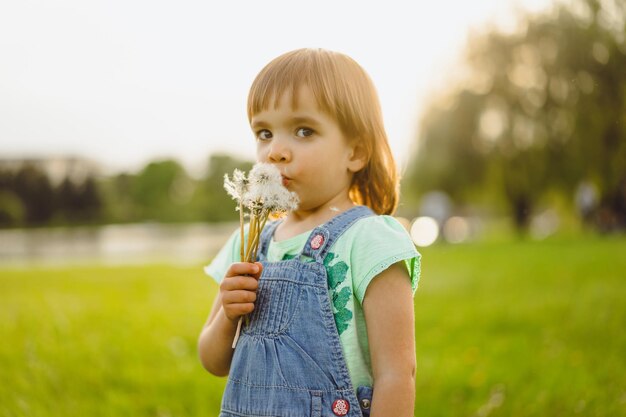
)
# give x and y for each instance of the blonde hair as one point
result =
(345, 92)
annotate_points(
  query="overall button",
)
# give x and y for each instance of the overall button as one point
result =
(317, 241)
(341, 407)
(365, 404)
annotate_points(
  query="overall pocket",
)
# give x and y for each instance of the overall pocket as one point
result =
(276, 304)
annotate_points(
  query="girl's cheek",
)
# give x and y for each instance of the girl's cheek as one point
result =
(260, 154)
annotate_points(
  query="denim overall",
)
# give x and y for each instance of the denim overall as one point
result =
(288, 361)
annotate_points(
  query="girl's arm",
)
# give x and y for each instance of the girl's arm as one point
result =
(389, 314)
(235, 298)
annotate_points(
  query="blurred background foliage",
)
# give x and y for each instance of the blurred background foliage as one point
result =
(539, 116)
(162, 191)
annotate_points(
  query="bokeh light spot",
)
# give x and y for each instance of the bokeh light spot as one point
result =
(424, 231)
(456, 230)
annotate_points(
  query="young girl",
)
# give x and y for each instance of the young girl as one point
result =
(330, 300)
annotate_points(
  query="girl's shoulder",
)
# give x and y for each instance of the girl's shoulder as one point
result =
(374, 243)
(377, 236)
(379, 227)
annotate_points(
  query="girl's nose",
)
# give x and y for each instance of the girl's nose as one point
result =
(278, 151)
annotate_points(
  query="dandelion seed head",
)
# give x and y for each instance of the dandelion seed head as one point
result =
(279, 199)
(238, 186)
(264, 173)
(239, 177)
(262, 191)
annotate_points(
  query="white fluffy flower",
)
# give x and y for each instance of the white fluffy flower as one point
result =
(272, 197)
(238, 186)
(266, 191)
(263, 173)
(282, 200)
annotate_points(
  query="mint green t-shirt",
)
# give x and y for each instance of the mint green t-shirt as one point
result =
(367, 248)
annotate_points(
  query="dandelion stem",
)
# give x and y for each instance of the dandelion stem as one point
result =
(241, 252)
(251, 234)
(255, 239)
(258, 241)
(237, 333)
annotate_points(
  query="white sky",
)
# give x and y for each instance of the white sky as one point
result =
(124, 82)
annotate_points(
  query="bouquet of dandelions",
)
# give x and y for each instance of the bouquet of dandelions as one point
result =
(262, 194)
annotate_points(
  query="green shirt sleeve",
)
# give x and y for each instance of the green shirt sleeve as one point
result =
(228, 254)
(378, 242)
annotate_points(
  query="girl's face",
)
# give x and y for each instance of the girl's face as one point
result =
(307, 146)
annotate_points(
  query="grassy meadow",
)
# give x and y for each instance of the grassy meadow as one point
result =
(508, 328)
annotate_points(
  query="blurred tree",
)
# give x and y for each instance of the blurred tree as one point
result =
(90, 199)
(216, 204)
(79, 203)
(11, 209)
(156, 191)
(118, 201)
(33, 187)
(544, 109)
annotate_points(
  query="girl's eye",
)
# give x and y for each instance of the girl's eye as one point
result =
(304, 132)
(264, 134)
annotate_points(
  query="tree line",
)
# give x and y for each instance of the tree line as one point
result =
(162, 191)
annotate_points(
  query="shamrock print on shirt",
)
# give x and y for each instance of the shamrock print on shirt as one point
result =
(337, 275)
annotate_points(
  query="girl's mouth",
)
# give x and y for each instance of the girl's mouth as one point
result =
(286, 180)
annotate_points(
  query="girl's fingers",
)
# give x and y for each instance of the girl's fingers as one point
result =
(238, 288)
(238, 296)
(234, 311)
(243, 268)
(239, 283)
(258, 274)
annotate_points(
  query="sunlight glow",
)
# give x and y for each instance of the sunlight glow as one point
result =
(424, 231)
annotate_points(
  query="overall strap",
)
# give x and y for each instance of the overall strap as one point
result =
(266, 237)
(322, 237)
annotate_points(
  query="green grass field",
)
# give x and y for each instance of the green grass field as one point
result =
(503, 329)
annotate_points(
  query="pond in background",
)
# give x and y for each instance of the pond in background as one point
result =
(185, 244)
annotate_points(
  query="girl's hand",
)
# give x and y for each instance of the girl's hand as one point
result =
(238, 289)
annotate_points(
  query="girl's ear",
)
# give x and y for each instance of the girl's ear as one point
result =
(358, 157)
